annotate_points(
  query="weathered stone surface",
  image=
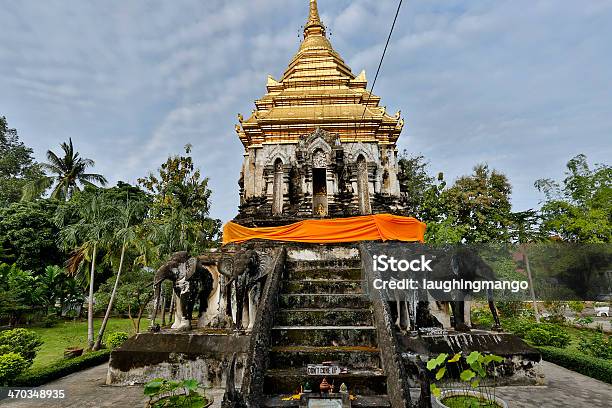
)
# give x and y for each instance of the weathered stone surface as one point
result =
(175, 355)
(522, 365)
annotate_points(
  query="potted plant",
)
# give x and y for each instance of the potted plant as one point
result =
(475, 387)
(166, 394)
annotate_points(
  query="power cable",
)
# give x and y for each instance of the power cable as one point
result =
(382, 57)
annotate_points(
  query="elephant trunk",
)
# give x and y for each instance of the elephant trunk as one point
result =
(156, 296)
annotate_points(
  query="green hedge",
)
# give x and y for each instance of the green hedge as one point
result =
(40, 376)
(593, 367)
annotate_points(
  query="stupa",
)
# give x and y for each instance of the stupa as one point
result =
(318, 143)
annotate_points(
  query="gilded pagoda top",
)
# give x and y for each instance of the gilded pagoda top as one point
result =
(318, 90)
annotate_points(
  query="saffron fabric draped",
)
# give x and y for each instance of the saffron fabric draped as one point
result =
(385, 227)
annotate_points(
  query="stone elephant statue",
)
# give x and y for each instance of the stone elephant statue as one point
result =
(243, 281)
(462, 263)
(190, 282)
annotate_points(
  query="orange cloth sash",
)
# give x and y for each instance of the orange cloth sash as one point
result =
(363, 228)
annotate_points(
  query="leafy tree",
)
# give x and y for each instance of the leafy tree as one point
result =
(28, 235)
(128, 215)
(17, 166)
(481, 203)
(68, 171)
(415, 183)
(579, 209)
(133, 295)
(18, 294)
(86, 236)
(179, 213)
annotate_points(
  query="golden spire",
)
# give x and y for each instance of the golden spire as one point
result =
(313, 25)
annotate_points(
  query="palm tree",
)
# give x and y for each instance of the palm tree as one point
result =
(88, 234)
(68, 171)
(127, 216)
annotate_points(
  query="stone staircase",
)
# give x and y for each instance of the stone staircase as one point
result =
(324, 316)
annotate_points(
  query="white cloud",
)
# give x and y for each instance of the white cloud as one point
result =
(520, 84)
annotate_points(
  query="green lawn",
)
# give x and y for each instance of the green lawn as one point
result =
(67, 334)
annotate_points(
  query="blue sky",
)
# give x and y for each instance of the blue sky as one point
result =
(522, 85)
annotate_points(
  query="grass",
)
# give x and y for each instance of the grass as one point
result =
(71, 333)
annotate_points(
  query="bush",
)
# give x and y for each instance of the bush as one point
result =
(482, 318)
(510, 308)
(596, 345)
(49, 321)
(593, 367)
(520, 327)
(22, 341)
(11, 365)
(576, 306)
(40, 376)
(538, 336)
(116, 339)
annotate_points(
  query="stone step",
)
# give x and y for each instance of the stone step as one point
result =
(323, 301)
(324, 317)
(287, 381)
(323, 286)
(366, 401)
(293, 264)
(348, 356)
(324, 336)
(331, 274)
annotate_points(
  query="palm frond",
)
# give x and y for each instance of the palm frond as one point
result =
(98, 178)
(36, 188)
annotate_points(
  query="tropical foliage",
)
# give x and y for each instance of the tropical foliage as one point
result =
(17, 165)
(68, 173)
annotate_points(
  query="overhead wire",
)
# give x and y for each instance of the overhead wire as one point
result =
(382, 57)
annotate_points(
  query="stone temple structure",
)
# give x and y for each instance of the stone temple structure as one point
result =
(318, 143)
(278, 318)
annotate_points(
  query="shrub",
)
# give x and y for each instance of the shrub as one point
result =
(538, 336)
(520, 327)
(482, 318)
(583, 321)
(510, 308)
(40, 376)
(576, 306)
(596, 345)
(22, 341)
(116, 339)
(11, 365)
(50, 321)
(593, 367)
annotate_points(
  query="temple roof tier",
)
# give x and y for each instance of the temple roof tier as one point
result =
(318, 90)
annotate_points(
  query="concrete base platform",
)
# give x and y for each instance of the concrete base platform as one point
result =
(522, 364)
(199, 354)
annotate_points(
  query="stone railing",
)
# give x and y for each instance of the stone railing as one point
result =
(398, 388)
(259, 347)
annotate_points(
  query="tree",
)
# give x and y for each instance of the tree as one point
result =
(28, 235)
(134, 294)
(415, 182)
(93, 226)
(579, 209)
(481, 204)
(17, 166)
(426, 198)
(179, 213)
(19, 293)
(126, 219)
(68, 171)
